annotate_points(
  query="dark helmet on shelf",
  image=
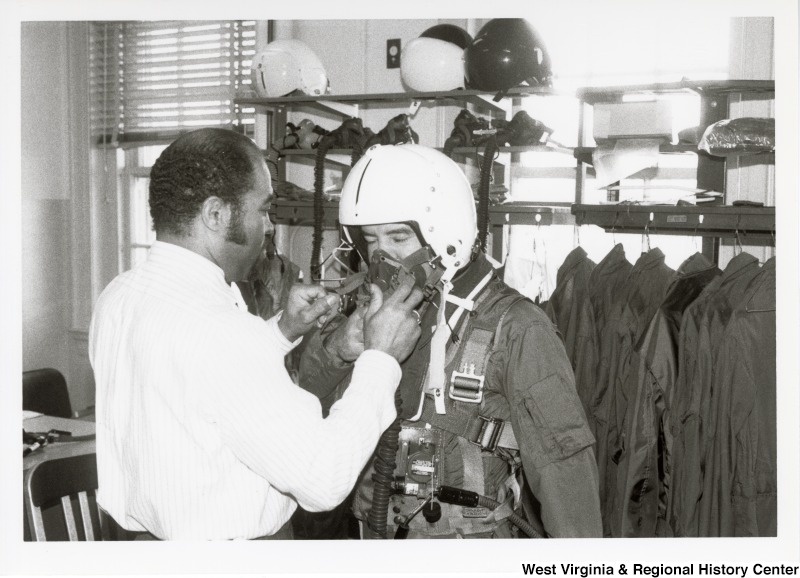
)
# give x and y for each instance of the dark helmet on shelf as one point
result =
(449, 33)
(505, 53)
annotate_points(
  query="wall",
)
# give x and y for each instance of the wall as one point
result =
(45, 196)
(752, 56)
(57, 251)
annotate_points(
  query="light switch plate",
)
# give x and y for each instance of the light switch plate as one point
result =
(393, 53)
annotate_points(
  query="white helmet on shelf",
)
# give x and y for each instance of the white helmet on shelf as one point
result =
(285, 66)
(416, 184)
(431, 64)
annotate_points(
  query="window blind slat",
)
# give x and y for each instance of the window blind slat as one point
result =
(162, 77)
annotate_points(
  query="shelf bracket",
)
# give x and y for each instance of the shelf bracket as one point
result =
(341, 108)
(339, 159)
(485, 102)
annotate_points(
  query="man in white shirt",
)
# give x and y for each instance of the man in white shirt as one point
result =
(201, 434)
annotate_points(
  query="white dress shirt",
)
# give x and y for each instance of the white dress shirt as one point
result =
(201, 434)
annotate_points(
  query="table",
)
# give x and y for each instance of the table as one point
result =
(45, 423)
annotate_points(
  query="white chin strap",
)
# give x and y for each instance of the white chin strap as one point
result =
(436, 368)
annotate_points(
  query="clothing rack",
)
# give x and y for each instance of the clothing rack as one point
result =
(708, 221)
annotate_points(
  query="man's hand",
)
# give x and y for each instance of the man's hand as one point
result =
(347, 342)
(307, 306)
(392, 325)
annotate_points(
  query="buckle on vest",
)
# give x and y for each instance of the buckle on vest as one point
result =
(489, 433)
(466, 386)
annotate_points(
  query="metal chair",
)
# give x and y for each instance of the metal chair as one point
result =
(63, 480)
(45, 391)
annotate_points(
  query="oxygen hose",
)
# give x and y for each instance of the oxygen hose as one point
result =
(383, 477)
(319, 212)
(273, 155)
(358, 151)
(518, 521)
(489, 152)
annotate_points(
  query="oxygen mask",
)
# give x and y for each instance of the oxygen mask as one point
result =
(388, 273)
(422, 265)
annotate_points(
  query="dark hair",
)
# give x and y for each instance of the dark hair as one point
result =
(198, 165)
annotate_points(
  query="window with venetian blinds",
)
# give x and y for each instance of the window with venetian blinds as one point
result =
(152, 80)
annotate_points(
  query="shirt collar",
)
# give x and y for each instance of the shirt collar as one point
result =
(164, 252)
(185, 268)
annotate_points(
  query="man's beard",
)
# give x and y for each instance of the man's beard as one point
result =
(236, 233)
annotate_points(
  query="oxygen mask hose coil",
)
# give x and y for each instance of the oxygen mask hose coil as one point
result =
(383, 477)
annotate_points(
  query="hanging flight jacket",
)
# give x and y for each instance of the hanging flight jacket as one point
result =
(605, 282)
(564, 305)
(640, 503)
(740, 486)
(702, 329)
(632, 312)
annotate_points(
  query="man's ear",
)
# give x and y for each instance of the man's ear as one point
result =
(215, 214)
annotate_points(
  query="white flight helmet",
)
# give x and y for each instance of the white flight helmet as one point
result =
(430, 65)
(413, 183)
(285, 66)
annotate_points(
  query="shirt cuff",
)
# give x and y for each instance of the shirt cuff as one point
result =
(380, 363)
(280, 339)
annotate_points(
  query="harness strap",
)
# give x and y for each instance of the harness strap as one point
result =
(464, 419)
(473, 466)
(467, 379)
(439, 346)
(475, 428)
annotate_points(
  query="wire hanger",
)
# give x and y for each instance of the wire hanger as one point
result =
(737, 239)
(538, 218)
(646, 235)
(614, 228)
(697, 246)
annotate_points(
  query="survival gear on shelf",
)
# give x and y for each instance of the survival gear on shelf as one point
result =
(521, 130)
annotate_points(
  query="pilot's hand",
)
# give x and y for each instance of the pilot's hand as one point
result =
(347, 342)
(391, 325)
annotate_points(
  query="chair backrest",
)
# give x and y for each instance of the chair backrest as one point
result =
(63, 480)
(45, 391)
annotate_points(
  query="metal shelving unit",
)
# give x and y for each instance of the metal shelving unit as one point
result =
(715, 98)
(711, 220)
(708, 221)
